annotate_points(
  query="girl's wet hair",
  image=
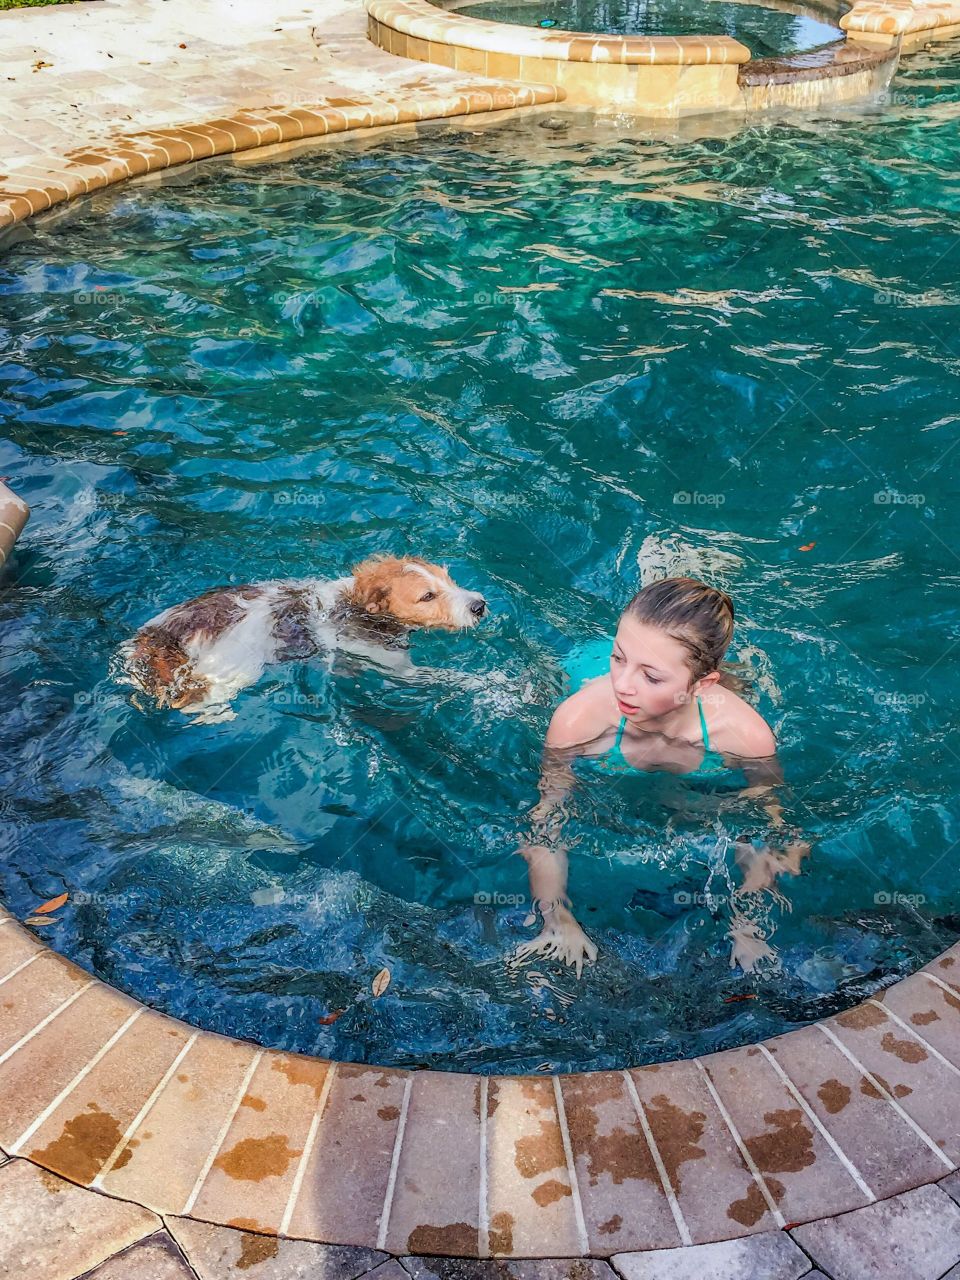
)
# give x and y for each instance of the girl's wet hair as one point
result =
(698, 616)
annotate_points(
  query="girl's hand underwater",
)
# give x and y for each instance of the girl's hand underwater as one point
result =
(560, 939)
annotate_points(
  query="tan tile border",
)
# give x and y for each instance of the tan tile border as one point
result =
(819, 1121)
(138, 153)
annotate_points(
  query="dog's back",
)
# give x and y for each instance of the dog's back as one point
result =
(203, 650)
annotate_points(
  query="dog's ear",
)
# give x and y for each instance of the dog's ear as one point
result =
(375, 600)
(371, 586)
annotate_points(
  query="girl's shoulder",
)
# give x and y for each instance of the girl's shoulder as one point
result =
(735, 728)
(584, 716)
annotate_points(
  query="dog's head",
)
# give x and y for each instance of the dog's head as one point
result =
(414, 593)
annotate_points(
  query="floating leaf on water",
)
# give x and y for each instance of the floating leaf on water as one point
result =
(737, 999)
(809, 546)
(380, 982)
(37, 921)
(331, 1017)
(54, 904)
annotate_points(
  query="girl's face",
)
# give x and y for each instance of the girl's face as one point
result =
(649, 670)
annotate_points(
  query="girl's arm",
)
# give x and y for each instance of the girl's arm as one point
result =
(561, 936)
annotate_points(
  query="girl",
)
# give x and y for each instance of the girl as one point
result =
(664, 704)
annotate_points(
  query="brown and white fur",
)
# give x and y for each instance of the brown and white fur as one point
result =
(196, 656)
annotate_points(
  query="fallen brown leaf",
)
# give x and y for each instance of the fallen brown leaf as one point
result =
(54, 904)
(381, 982)
(808, 547)
(331, 1017)
(36, 921)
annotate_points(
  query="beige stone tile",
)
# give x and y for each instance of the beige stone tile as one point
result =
(925, 1087)
(803, 1175)
(532, 1209)
(52, 1230)
(435, 1207)
(221, 1253)
(616, 1172)
(83, 1130)
(155, 1259)
(168, 1149)
(717, 1195)
(253, 1174)
(41, 990)
(348, 1171)
(887, 1154)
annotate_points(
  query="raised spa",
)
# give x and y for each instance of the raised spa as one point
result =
(766, 30)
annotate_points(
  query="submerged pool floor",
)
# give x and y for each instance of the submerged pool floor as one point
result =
(560, 364)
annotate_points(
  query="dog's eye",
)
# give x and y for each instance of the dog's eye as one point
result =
(429, 595)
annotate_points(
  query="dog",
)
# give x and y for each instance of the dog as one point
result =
(196, 656)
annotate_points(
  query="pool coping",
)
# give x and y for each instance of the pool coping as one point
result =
(112, 1096)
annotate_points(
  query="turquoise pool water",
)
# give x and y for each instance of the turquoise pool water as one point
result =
(767, 31)
(557, 363)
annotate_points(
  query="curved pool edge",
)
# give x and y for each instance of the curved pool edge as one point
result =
(118, 1098)
(139, 152)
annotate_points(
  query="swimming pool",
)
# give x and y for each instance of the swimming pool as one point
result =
(767, 30)
(556, 363)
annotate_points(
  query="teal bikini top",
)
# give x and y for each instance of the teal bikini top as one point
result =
(593, 659)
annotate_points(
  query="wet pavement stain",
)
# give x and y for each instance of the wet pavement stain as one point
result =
(862, 1017)
(459, 1239)
(301, 1071)
(253, 1159)
(834, 1095)
(253, 1102)
(611, 1226)
(501, 1233)
(388, 1113)
(256, 1249)
(905, 1050)
(750, 1209)
(85, 1143)
(787, 1148)
(922, 1019)
(621, 1153)
(869, 1089)
(677, 1133)
(550, 1192)
(493, 1097)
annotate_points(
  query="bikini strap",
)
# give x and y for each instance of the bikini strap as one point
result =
(620, 729)
(703, 725)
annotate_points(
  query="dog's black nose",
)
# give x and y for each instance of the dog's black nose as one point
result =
(478, 607)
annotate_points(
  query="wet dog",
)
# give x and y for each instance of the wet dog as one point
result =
(196, 656)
